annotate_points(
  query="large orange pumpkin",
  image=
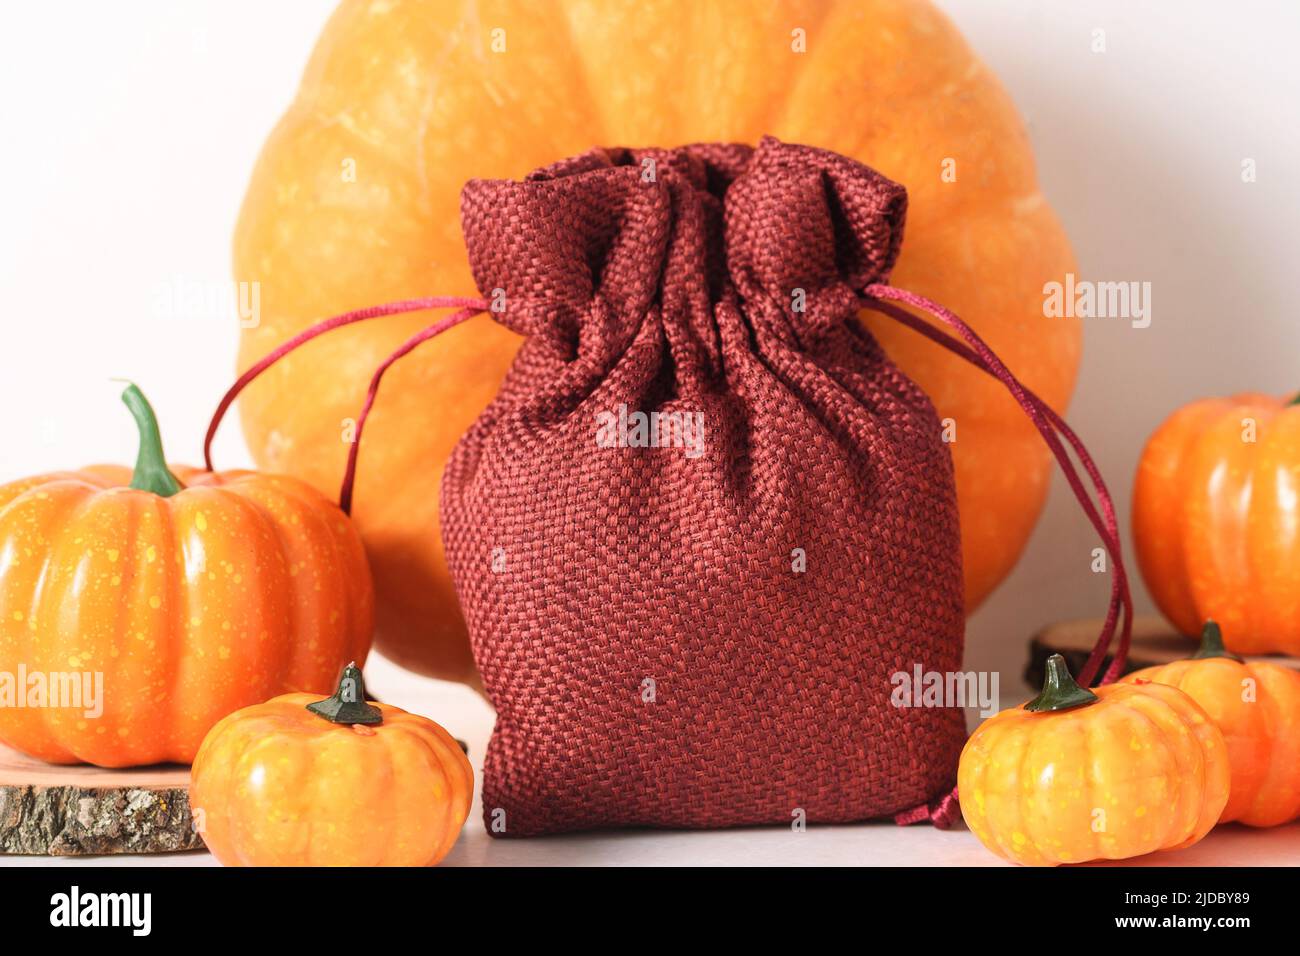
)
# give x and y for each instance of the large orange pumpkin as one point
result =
(190, 594)
(1216, 520)
(354, 201)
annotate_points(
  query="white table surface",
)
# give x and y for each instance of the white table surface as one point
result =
(469, 717)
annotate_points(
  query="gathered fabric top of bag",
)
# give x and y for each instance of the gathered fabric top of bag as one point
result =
(792, 231)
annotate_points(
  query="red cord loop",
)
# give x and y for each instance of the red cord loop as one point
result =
(468, 308)
(1049, 424)
(350, 473)
(946, 810)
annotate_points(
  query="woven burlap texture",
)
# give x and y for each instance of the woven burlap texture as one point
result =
(639, 615)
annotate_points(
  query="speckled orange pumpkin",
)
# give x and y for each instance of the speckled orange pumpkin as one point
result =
(1257, 706)
(192, 594)
(302, 782)
(1103, 774)
(1216, 520)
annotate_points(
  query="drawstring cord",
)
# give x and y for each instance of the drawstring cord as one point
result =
(945, 811)
(1049, 423)
(468, 309)
(350, 473)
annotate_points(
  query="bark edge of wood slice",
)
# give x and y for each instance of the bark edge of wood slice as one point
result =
(1154, 642)
(78, 810)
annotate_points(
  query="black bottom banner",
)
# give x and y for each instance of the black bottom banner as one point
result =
(360, 907)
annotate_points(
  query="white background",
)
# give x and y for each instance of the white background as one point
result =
(128, 130)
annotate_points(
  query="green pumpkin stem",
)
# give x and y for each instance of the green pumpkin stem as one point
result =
(151, 472)
(1212, 644)
(1060, 692)
(1295, 401)
(348, 705)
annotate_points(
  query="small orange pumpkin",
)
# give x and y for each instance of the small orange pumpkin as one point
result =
(181, 595)
(1257, 706)
(1108, 773)
(1216, 520)
(340, 782)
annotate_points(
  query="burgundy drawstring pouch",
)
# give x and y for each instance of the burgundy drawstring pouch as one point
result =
(706, 521)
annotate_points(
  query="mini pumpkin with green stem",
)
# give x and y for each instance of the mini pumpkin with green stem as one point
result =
(1109, 773)
(340, 782)
(184, 594)
(1257, 707)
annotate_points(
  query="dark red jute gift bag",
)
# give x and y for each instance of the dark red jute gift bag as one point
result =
(707, 522)
(703, 634)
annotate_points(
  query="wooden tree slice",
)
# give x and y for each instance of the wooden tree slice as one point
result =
(74, 810)
(1154, 642)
